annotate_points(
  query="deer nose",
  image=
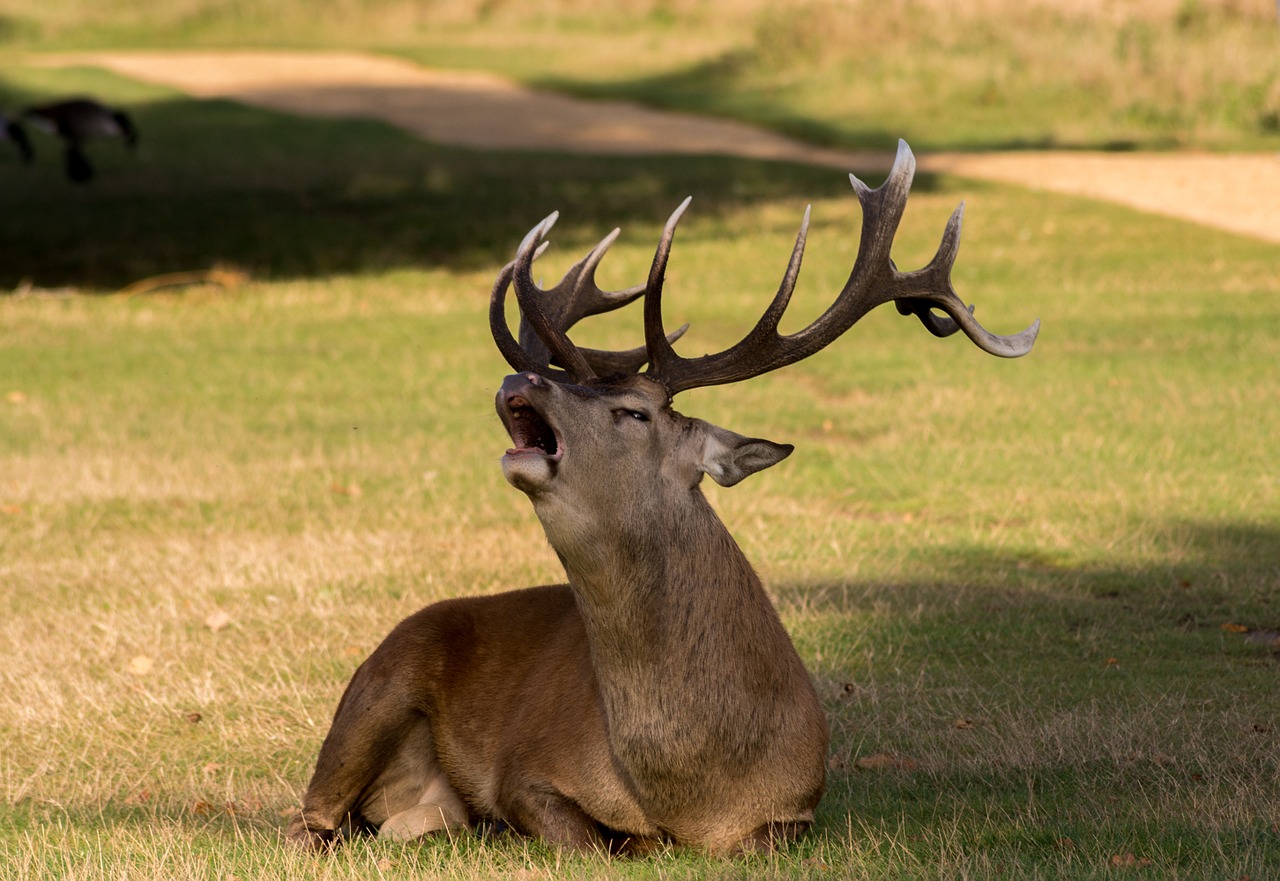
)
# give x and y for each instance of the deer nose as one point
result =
(520, 383)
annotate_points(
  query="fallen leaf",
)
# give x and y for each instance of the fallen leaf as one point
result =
(964, 723)
(16, 397)
(137, 798)
(887, 762)
(1129, 861)
(1111, 662)
(352, 490)
(11, 509)
(193, 718)
(211, 768)
(352, 651)
(201, 808)
(217, 620)
(1235, 628)
(141, 665)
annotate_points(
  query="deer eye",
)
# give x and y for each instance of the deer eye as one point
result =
(623, 413)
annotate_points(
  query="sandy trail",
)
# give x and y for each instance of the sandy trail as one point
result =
(1236, 192)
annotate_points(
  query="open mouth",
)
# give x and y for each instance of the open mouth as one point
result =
(531, 434)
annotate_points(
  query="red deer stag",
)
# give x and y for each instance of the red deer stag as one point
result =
(656, 697)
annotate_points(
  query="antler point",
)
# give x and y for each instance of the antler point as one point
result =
(678, 213)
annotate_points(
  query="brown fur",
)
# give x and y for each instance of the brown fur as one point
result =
(656, 697)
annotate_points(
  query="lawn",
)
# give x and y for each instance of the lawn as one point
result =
(1038, 597)
(994, 74)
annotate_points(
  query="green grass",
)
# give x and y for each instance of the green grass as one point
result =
(1000, 74)
(1012, 576)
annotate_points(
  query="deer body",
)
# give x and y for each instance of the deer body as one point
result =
(656, 697)
(710, 712)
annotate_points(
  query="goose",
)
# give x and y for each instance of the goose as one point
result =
(78, 120)
(12, 130)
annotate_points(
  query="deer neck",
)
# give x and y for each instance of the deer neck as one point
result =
(656, 579)
(690, 654)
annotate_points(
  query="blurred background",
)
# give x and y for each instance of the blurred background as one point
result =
(855, 74)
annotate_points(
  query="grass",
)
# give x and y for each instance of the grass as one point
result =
(1020, 586)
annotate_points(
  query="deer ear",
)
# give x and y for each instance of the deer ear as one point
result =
(729, 457)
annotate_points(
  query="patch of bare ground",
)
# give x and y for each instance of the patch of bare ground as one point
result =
(1235, 192)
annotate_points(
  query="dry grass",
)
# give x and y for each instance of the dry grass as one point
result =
(1045, 551)
(948, 619)
(858, 73)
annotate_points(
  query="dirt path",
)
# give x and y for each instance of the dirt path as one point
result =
(1238, 192)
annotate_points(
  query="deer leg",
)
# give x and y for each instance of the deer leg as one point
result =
(438, 808)
(377, 760)
(554, 818)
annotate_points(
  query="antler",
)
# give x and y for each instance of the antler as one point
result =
(874, 280)
(546, 315)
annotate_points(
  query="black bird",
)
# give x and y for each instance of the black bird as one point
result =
(12, 130)
(78, 120)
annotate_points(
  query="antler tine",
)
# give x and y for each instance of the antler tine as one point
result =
(938, 325)
(655, 338)
(575, 297)
(874, 280)
(515, 354)
(763, 349)
(532, 309)
(756, 353)
(587, 298)
(933, 284)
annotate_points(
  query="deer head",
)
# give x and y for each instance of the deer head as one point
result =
(580, 429)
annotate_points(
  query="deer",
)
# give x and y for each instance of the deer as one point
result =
(655, 699)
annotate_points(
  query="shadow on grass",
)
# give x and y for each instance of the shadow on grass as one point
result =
(215, 182)
(1007, 630)
(1202, 572)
